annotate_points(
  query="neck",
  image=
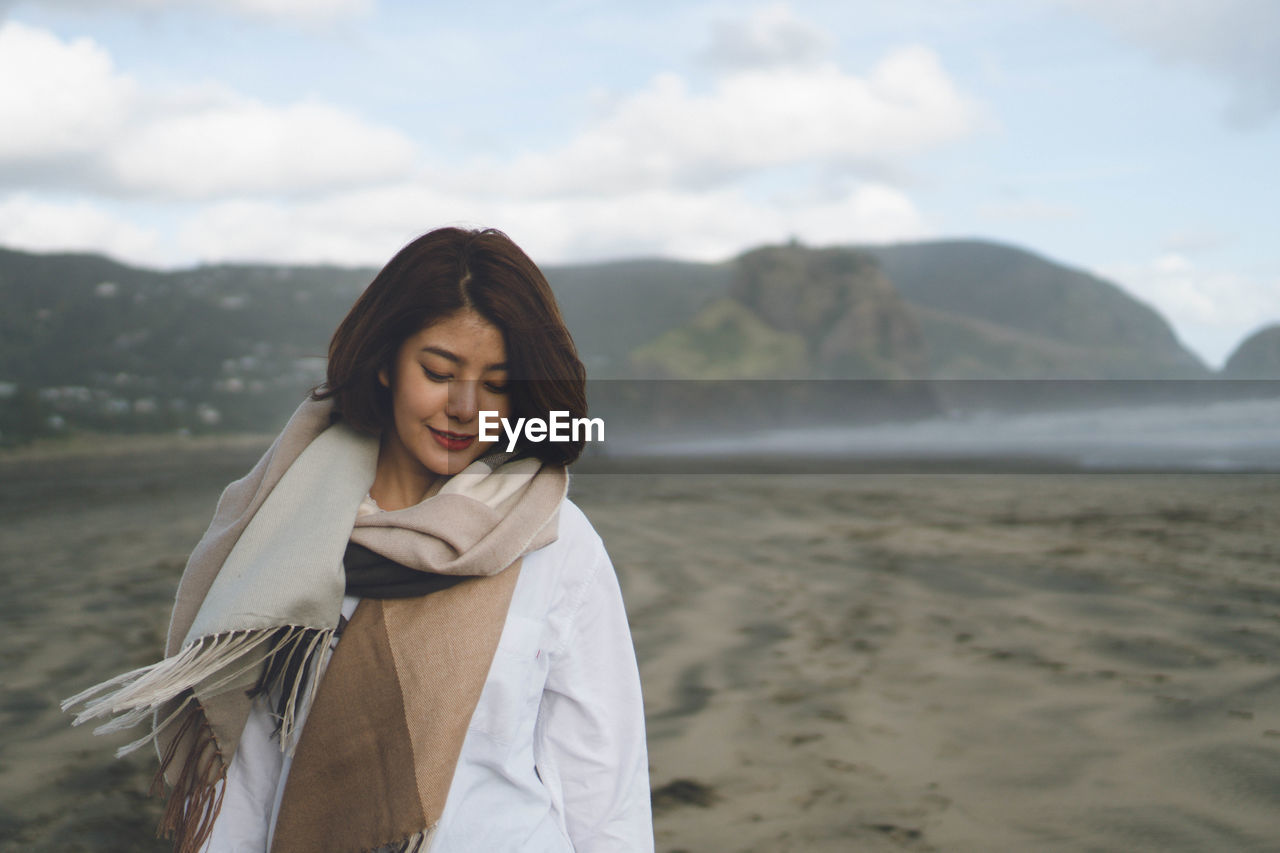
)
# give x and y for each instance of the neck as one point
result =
(400, 480)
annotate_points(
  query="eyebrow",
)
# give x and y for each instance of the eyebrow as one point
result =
(444, 353)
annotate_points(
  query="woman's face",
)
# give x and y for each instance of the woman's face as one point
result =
(444, 376)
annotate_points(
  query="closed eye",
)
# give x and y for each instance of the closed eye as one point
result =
(494, 387)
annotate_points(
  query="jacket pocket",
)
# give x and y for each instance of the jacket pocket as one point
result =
(509, 697)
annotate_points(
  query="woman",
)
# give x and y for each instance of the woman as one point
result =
(481, 692)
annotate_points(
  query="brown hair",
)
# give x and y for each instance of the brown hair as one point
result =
(438, 274)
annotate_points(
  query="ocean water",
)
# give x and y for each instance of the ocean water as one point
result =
(1227, 436)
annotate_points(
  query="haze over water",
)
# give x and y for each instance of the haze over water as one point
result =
(1237, 435)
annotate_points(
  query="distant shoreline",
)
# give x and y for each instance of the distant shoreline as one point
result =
(123, 444)
(29, 461)
(817, 464)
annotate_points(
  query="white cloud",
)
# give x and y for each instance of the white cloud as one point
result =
(366, 227)
(709, 225)
(1196, 240)
(57, 98)
(299, 10)
(1212, 310)
(668, 135)
(44, 226)
(361, 227)
(769, 37)
(305, 12)
(1235, 39)
(785, 148)
(64, 104)
(239, 146)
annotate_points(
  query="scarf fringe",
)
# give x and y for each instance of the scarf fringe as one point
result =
(196, 798)
(288, 657)
(416, 843)
(207, 664)
(292, 673)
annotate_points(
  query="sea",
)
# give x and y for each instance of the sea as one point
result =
(1236, 436)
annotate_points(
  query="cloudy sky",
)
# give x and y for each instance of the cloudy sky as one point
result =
(1134, 138)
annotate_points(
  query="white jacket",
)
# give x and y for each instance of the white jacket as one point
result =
(555, 757)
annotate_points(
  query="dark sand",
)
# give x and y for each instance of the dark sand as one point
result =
(831, 663)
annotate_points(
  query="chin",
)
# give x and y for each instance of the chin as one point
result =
(445, 464)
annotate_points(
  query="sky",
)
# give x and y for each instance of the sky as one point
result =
(1135, 139)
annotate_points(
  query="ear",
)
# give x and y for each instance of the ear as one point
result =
(383, 377)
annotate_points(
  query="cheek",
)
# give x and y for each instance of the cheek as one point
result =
(419, 401)
(503, 410)
(503, 407)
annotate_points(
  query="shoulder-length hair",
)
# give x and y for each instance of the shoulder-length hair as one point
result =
(438, 274)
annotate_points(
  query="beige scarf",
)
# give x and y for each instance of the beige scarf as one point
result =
(261, 598)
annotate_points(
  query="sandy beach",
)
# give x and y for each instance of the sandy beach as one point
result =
(830, 662)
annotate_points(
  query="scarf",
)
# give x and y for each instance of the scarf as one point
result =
(259, 604)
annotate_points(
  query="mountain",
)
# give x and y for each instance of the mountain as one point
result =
(839, 301)
(1257, 357)
(943, 309)
(90, 343)
(725, 340)
(72, 319)
(86, 342)
(992, 311)
(612, 308)
(794, 312)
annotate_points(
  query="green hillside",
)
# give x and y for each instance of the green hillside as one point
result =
(795, 312)
(612, 308)
(88, 343)
(1035, 318)
(725, 340)
(1257, 356)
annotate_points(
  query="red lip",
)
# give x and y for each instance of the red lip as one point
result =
(452, 440)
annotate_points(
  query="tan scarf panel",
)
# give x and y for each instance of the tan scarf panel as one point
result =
(264, 587)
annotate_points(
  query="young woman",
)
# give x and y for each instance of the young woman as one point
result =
(395, 636)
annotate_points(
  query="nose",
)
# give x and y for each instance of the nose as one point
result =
(462, 405)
